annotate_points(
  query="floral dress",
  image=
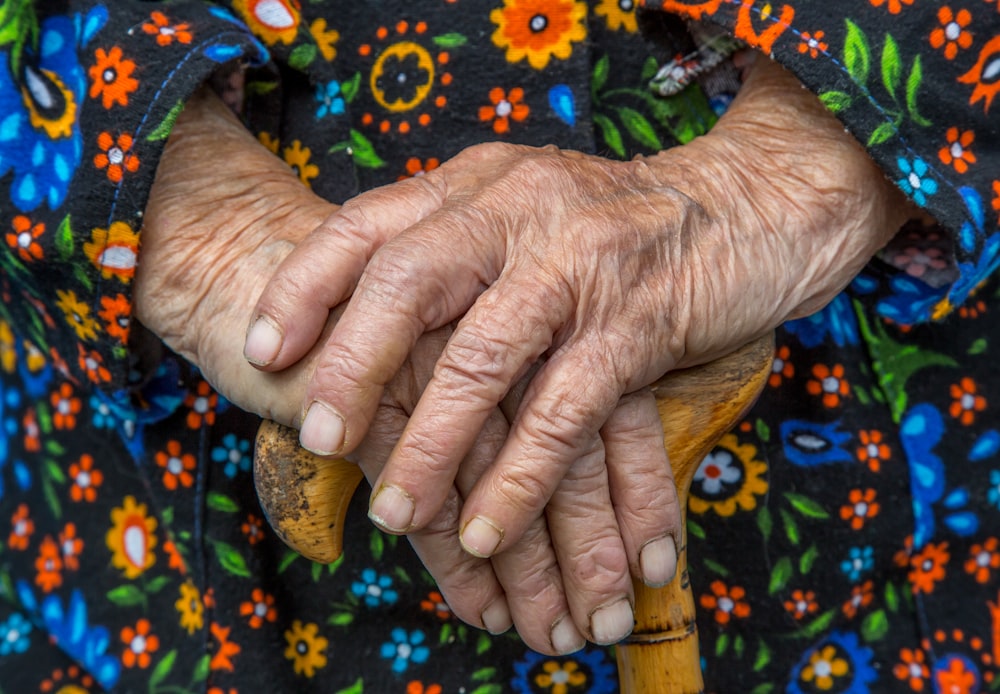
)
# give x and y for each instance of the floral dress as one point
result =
(844, 537)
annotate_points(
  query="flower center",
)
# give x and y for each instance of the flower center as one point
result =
(538, 23)
(872, 450)
(625, 5)
(504, 108)
(260, 609)
(175, 466)
(914, 180)
(968, 401)
(861, 509)
(830, 384)
(560, 676)
(116, 155)
(915, 671)
(24, 239)
(404, 650)
(83, 480)
(823, 668)
(726, 604)
(301, 648)
(983, 559)
(138, 644)
(956, 150)
(109, 75)
(952, 31)
(201, 405)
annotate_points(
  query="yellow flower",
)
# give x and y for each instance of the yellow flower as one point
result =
(113, 251)
(942, 309)
(305, 648)
(558, 677)
(297, 157)
(34, 358)
(77, 315)
(131, 538)
(190, 607)
(271, 143)
(619, 14)
(539, 29)
(51, 105)
(729, 477)
(325, 39)
(823, 667)
(270, 20)
(8, 354)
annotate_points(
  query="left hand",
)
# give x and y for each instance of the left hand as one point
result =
(615, 272)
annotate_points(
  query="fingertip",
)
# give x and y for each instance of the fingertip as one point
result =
(392, 509)
(322, 430)
(263, 342)
(658, 561)
(611, 623)
(565, 637)
(481, 537)
(496, 618)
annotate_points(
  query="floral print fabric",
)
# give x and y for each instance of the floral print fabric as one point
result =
(842, 538)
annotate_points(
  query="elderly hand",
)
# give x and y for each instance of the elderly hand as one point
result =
(209, 243)
(613, 272)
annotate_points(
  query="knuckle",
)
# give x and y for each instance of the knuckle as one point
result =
(598, 562)
(521, 489)
(476, 363)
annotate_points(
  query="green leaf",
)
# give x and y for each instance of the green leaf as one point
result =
(220, 502)
(609, 133)
(780, 575)
(739, 646)
(450, 40)
(913, 83)
(892, 70)
(857, 55)
(64, 239)
(167, 515)
(486, 673)
(862, 395)
(639, 127)
(302, 55)
(53, 447)
(258, 88)
(836, 101)
(875, 626)
(763, 657)
(340, 619)
(287, 560)
(600, 75)
(721, 645)
(649, 69)
(765, 522)
(807, 559)
(357, 688)
(162, 131)
(891, 597)
(316, 571)
(157, 584)
(363, 152)
(483, 644)
(80, 275)
(765, 688)
(445, 633)
(978, 347)
(763, 430)
(817, 626)
(350, 88)
(55, 472)
(161, 670)
(488, 689)
(715, 567)
(51, 496)
(883, 133)
(126, 595)
(230, 559)
(791, 527)
(694, 528)
(806, 506)
(332, 567)
(201, 669)
(376, 545)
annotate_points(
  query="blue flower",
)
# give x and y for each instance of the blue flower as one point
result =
(911, 301)
(920, 431)
(993, 495)
(330, 100)
(860, 560)
(836, 321)
(235, 453)
(954, 665)
(593, 664)
(405, 649)
(972, 274)
(103, 417)
(821, 668)
(916, 182)
(68, 628)
(374, 589)
(14, 634)
(10, 401)
(810, 443)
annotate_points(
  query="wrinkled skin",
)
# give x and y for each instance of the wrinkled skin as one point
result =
(611, 272)
(209, 244)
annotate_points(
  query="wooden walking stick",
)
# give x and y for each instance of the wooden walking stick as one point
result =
(305, 498)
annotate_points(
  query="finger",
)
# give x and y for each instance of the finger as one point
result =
(324, 268)
(642, 488)
(590, 550)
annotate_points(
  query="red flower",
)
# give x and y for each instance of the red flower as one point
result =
(927, 567)
(48, 566)
(415, 167)
(71, 546)
(227, 649)
(781, 367)
(861, 596)
(982, 559)
(802, 603)
(92, 364)
(117, 315)
(111, 77)
(259, 608)
(912, 668)
(253, 528)
(24, 238)
(727, 602)
(894, 6)
(957, 679)
(434, 602)
(21, 528)
(872, 449)
(65, 407)
(202, 403)
(506, 107)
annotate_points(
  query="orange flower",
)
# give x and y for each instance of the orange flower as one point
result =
(24, 238)
(434, 602)
(417, 687)
(996, 199)
(139, 643)
(927, 567)
(912, 667)
(32, 432)
(415, 167)
(71, 546)
(48, 566)
(505, 107)
(258, 608)
(539, 30)
(92, 364)
(727, 602)
(111, 77)
(830, 383)
(65, 679)
(952, 34)
(202, 403)
(802, 603)
(956, 152)
(165, 32)
(894, 6)
(957, 679)
(983, 558)
(813, 44)
(176, 466)
(116, 155)
(861, 596)
(253, 528)
(174, 558)
(117, 316)
(227, 649)
(22, 527)
(781, 367)
(860, 506)
(85, 478)
(966, 401)
(65, 407)
(873, 450)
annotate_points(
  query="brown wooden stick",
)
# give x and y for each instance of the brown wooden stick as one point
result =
(305, 498)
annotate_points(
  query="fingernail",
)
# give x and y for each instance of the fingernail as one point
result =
(611, 623)
(658, 561)
(392, 509)
(496, 617)
(263, 342)
(565, 637)
(322, 430)
(481, 538)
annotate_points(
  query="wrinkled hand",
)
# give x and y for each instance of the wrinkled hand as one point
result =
(209, 243)
(613, 272)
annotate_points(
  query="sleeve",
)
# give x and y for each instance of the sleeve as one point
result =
(88, 94)
(915, 83)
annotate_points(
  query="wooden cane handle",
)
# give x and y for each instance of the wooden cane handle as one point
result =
(305, 498)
